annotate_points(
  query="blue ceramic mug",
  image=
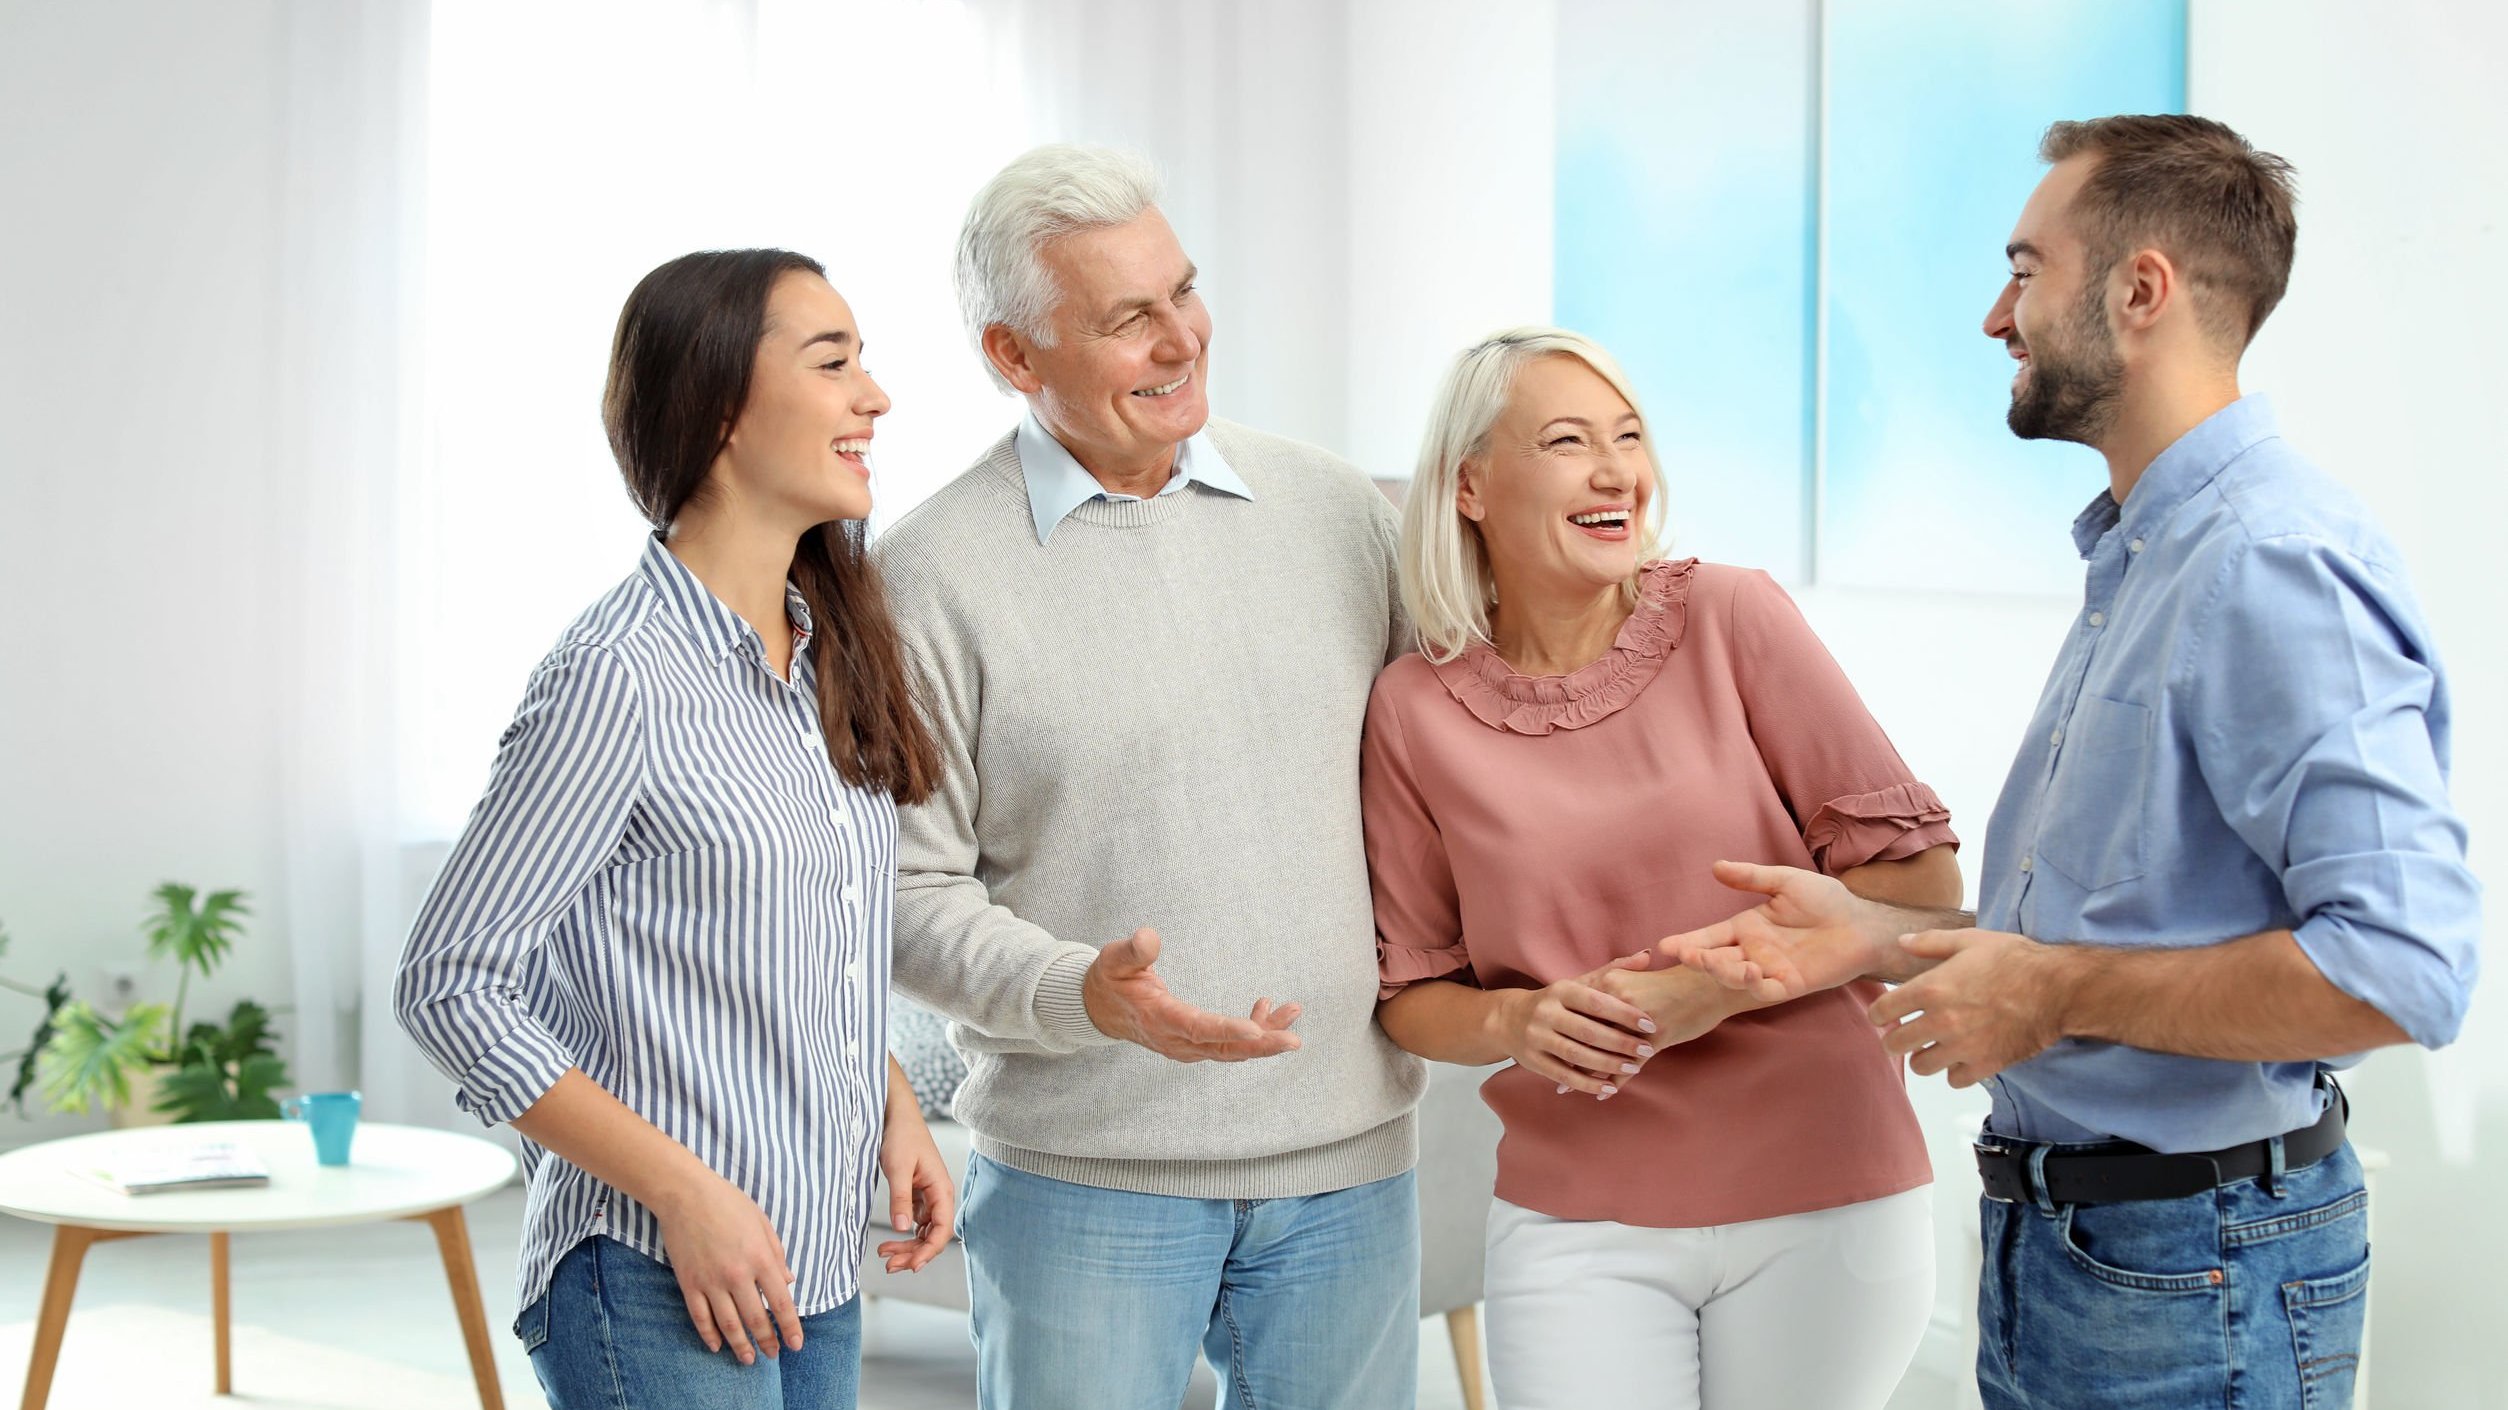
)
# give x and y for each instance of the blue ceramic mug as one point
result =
(333, 1117)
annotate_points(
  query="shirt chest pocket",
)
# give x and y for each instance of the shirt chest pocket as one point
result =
(2092, 828)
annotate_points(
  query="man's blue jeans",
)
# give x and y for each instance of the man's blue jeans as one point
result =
(2254, 1294)
(1093, 1299)
(613, 1333)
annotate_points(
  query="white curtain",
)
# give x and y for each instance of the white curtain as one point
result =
(349, 134)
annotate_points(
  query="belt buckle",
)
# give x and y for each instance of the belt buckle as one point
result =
(1982, 1146)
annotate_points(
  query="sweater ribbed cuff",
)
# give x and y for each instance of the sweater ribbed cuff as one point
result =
(1062, 1015)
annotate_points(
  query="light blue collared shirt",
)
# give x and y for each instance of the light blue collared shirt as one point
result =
(1058, 484)
(2247, 730)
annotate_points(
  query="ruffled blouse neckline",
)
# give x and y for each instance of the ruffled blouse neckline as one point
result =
(1482, 682)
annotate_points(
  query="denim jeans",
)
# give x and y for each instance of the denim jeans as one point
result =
(612, 1333)
(2254, 1294)
(1093, 1299)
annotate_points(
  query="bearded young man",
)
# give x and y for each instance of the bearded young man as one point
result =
(2224, 863)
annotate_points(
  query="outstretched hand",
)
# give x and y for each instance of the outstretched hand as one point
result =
(1810, 934)
(1126, 999)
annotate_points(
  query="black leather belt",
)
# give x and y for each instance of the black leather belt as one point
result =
(2120, 1170)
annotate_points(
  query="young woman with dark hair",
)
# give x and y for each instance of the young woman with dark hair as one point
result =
(661, 946)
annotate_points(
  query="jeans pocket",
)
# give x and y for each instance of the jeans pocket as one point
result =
(2125, 1262)
(2328, 1317)
(531, 1325)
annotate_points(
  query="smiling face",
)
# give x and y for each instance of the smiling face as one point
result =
(1562, 490)
(1124, 382)
(2052, 315)
(800, 449)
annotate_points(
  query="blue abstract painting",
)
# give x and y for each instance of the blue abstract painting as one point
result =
(1788, 220)
(1931, 119)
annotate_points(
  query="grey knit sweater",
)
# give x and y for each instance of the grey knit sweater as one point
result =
(1154, 720)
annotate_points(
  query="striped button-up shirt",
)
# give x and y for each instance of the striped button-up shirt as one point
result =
(668, 886)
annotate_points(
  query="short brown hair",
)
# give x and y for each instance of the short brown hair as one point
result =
(2226, 213)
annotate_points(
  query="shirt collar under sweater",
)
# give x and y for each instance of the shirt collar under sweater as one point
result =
(1058, 483)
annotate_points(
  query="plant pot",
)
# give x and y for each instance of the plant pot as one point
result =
(141, 1109)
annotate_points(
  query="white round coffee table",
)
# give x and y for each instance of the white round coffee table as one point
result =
(394, 1172)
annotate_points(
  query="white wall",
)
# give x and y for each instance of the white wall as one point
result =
(138, 597)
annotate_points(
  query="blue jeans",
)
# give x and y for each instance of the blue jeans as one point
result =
(1093, 1299)
(612, 1333)
(2254, 1294)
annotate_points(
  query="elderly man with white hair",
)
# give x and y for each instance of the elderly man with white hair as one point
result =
(1146, 639)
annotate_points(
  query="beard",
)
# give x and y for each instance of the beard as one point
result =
(2074, 379)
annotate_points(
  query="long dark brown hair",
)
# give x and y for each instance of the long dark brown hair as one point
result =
(679, 377)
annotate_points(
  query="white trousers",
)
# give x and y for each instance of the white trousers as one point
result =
(1821, 1310)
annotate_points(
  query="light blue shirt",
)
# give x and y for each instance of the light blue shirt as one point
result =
(2247, 730)
(1058, 484)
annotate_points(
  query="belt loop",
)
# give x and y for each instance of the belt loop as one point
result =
(2037, 1179)
(2275, 1163)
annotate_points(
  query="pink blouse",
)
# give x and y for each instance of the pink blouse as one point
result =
(1522, 830)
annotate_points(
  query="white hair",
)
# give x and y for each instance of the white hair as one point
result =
(1046, 193)
(1446, 583)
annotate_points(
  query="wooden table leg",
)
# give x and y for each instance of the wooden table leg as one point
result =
(218, 1312)
(1463, 1329)
(69, 1250)
(452, 1239)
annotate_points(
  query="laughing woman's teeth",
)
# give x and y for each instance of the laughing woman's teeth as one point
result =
(1596, 521)
(853, 448)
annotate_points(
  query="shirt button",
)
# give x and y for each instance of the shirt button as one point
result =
(2134, 547)
(852, 1049)
(2024, 861)
(2058, 739)
(2098, 619)
(852, 892)
(853, 969)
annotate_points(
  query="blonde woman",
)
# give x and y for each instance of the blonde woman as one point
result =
(1701, 1201)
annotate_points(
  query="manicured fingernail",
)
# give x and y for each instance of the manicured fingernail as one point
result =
(1645, 1025)
(1563, 1089)
(1610, 1091)
(1645, 1050)
(1629, 1067)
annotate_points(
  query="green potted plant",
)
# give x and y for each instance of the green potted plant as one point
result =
(145, 1064)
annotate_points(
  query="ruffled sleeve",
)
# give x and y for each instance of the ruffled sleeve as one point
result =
(1844, 782)
(1482, 681)
(1419, 919)
(1885, 825)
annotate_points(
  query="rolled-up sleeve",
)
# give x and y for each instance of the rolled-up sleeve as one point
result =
(2332, 766)
(566, 778)
(1419, 919)
(1841, 778)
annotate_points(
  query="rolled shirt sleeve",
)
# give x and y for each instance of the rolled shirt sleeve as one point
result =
(566, 777)
(1419, 918)
(2330, 765)
(1841, 778)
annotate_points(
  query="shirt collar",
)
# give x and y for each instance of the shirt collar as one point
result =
(715, 628)
(1058, 484)
(2175, 476)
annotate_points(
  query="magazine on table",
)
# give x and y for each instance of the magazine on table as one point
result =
(207, 1165)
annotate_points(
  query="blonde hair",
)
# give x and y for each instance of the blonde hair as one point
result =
(1447, 586)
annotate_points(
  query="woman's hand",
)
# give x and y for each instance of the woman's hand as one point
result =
(921, 1200)
(731, 1267)
(1575, 1032)
(1683, 1003)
